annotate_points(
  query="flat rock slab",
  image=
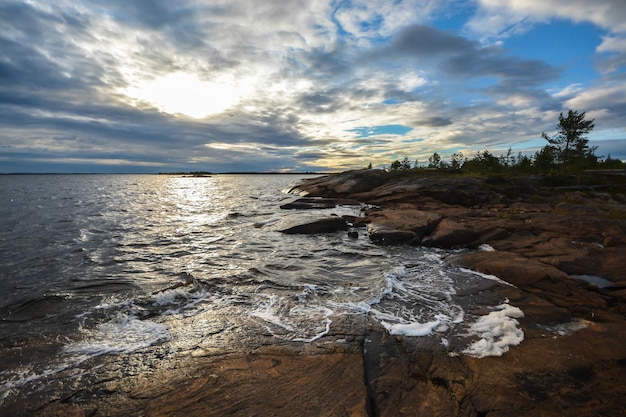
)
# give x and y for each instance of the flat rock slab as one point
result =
(240, 384)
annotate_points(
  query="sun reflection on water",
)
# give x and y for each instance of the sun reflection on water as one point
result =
(197, 203)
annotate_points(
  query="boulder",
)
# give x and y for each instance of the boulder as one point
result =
(346, 183)
(449, 234)
(400, 225)
(329, 225)
(385, 235)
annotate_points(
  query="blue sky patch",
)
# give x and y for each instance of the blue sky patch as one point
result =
(367, 131)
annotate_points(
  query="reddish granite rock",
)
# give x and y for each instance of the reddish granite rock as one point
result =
(537, 278)
(400, 224)
(544, 376)
(448, 234)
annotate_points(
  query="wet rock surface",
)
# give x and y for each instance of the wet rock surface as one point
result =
(537, 239)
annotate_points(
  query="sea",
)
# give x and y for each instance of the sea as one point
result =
(105, 268)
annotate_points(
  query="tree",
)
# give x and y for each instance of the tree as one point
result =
(404, 165)
(545, 159)
(570, 144)
(483, 162)
(456, 160)
(610, 163)
(434, 161)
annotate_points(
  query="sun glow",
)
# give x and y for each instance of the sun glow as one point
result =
(184, 93)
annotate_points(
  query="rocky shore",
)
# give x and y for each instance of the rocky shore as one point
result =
(563, 249)
(550, 241)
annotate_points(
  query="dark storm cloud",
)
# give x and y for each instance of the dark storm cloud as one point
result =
(460, 57)
(426, 41)
(333, 63)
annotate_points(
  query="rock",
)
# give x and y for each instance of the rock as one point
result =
(513, 268)
(537, 278)
(400, 225)
(611, 241)
(350, 182)
(545, 375)
(329, 225)
(449, 234)
(489, 234)
(385, 235)
(309, 203)
(280, 383)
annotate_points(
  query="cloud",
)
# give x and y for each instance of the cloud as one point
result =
(607, 103)
(464, 59)
(503, 18)
(269, 84)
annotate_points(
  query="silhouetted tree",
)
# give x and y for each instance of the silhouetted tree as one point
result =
(523, 163)
(570, 144)
(404, 165)
(545, 159)
(434, 161)
(456, 160)
(610, 163)
(483, 161)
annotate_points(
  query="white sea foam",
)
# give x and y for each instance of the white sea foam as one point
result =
(296, 321)
(179, 300)
(417, 299)
(15, 379)
(411, 329)
(486, 248)
(124, 334)
(497, 331)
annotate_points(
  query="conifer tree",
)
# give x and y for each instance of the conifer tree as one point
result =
(570, 144)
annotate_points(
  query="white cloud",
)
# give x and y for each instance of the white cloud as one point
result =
(612, 44)
(568, 91)
(503, 18)
(599, 97)
(382, 18)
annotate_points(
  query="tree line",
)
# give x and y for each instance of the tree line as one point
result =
(566, 152)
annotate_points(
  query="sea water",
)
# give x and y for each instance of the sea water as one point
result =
(95, 266)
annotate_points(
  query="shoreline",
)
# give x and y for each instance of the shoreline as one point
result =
(571, 361)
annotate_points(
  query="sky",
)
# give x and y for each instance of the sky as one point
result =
(300, 85)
